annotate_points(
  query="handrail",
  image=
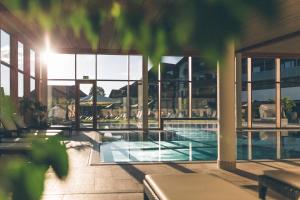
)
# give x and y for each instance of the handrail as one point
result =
(183, 119)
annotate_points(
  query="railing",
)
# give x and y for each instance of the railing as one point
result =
(209, 124)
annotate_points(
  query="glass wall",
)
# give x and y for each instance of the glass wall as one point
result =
(244, 95)
(61, 101)
(20, 71)
(85, 66)
(112, 105)
(5, 62)
(5, 79)
(5, 47)
(263, 91)
(32, 75)
(174, 87)
(119, 87)
(204, 89)
(118, 80)
(290, 96)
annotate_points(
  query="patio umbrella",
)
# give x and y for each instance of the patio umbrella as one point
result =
(101, 101)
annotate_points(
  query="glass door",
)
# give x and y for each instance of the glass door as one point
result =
(86, 104)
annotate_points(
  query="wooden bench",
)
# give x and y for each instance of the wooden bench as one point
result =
(287, 183)
(191, 186)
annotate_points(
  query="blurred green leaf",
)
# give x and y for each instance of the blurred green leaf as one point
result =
(154, 27)
(51, 153)
(24, 178)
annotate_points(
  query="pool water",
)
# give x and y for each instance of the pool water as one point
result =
(159, 146)
(194, 145)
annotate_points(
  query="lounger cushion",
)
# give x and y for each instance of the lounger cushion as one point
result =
(8, 123)
(289, 177)
(194, 186)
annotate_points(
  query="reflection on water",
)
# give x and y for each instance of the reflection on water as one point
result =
(159, 146)
(196, 145)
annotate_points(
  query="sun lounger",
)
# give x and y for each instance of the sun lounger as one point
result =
(287, 183)
(192, 186)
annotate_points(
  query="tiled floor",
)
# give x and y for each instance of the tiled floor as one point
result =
(120, 182)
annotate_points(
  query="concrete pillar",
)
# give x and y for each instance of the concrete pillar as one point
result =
(14, 70)
(278, 93)
(249, 145)
(226, 110)
(145, 94)
(190, 87)
(278, 145)
(249, 92)
(238, 87)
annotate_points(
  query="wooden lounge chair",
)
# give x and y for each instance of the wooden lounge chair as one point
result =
(191, 186)
(9, 126)
(287, 183)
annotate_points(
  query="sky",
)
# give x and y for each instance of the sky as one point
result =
(109, 67)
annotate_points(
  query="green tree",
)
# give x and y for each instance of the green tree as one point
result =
(99, 91)
(287, 105)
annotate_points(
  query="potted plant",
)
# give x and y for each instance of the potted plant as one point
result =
(287, 106)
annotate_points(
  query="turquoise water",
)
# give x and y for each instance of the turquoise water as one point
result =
(160, 146)
(194, 145)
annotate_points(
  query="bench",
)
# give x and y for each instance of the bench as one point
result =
(287, 183)
(191, 186)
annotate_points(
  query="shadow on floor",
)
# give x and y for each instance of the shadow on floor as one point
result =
(84, 142)
(180, 168)
(290, 162)
(134, 172)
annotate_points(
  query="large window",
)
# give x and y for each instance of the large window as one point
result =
(5, 47)
(5, 62)
(174, 87)
(290, 96)
(269, 92)
(5, 79)
(86, 66)
(178, 87)
(112, 67)
(61, 66)
(204, 89)
(32, 74)
(61, 101)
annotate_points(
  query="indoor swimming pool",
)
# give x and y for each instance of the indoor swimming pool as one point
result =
(194, 144)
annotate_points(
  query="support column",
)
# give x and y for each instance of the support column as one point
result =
(145, 94)
(278, 93)
(226, 111)
(190, 87)
(278, 145)
(14, 71)
(249, 92)
(249, 145)
(238, 92)
(159, 98)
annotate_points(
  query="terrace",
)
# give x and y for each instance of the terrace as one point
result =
(124, 115)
